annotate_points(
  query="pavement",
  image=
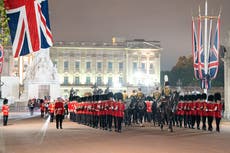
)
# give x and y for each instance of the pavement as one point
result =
(32, 134)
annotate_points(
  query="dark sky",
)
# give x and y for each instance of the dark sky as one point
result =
(166, 20)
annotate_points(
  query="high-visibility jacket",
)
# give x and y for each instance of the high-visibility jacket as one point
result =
(51, 108)
(5, 110)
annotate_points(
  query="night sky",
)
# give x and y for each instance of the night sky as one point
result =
(166, 20)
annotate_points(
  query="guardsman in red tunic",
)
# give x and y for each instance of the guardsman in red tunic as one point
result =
(120, 112)
(198, 111)
(59, 111)
(218, 110)
(204, 110)
(210, 108)
(5, 111)
(186, 109)
(193, 110)
(110, 111)
(149, 103)
(180, 111)
(42, 107)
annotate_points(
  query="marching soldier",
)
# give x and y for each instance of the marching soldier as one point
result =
(204, 110)
(149, 103)
(210, 108)
(5, 111)
(120, 112)
(59, 111)
(180, 111)
(198, 111)
(42, 107)
(218, 109)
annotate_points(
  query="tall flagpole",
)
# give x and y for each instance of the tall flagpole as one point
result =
(206, 42)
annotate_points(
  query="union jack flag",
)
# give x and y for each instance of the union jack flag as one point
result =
(197, 49)
(29, 25)
(214, 53)
(199, 55)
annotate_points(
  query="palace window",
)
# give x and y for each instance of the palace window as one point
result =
(66, 80)
(77, 65)
(77, 80)
(121, 67)
(110, 81)
(99, 81)
(99, 66)
(134, 66)
(110, 66)
(66, 65)
(88, 81)
(88, 66)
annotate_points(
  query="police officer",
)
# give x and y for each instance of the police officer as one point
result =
(51, 111)
(59, 111)
(5, 111)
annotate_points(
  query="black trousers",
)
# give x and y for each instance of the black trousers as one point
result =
(210, 120)
(51, 117)
(218, 124)
(5, 120)
(59, 119)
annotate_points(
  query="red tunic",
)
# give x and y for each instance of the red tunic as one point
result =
(218, 110)
(5, 110)
(121, 108)
(210, 107)
(148, 106)
(59, 108)
(180, 108)
(204, 108)
(193, 108)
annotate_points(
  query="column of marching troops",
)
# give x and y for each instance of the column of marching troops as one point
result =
(102, 111)
(194, 110)
(99, 111)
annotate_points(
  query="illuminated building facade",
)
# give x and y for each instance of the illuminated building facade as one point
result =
(124, 65)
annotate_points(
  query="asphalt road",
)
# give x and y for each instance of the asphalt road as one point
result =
(26, 134)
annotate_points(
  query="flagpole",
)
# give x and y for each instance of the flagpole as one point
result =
(206, 42)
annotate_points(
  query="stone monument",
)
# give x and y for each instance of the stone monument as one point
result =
(41, 78)
(227, 79)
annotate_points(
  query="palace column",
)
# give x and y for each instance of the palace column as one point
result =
(227, 80)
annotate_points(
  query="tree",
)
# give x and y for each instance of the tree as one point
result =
(4, 33)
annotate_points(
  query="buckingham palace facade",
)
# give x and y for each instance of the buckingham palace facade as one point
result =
(124, 65)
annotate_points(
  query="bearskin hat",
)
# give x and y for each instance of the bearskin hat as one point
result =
(217, 96)
(149, 98)
(210, 98)
(193, 97)
(166, 83)
(5, 101)
(204, 96)
(185, 98)
(181, 98)
(118, 96)
(198, 96)
(110, 95)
